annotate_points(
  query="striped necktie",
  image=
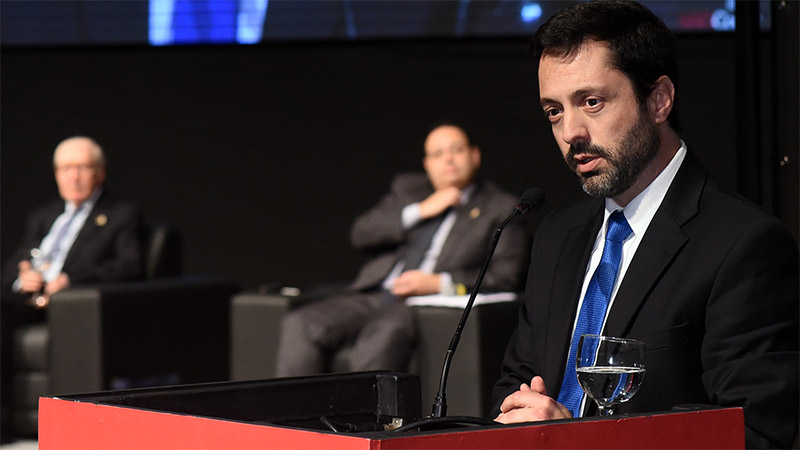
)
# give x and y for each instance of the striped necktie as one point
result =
(55, 250)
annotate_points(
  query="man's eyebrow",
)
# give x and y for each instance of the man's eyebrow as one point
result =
(577, 94)
(581, 92)
(546, 101)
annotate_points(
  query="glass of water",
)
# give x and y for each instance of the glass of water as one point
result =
(610, 369)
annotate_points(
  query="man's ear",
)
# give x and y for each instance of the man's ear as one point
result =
(661, 99)
(476, 156)
(100, 176)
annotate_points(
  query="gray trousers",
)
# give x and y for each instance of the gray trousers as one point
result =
(382, 335)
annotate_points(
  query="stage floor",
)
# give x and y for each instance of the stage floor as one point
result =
(22, 444)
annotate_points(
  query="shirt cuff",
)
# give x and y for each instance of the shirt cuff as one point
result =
(17, 285)
(411, 215)
(446, 286)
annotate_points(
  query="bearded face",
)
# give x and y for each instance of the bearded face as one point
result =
(635, 151)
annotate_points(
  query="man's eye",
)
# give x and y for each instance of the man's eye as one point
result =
(592, 102)
(551, 112)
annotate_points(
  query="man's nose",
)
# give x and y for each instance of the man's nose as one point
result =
(574, 130)
(448, 155)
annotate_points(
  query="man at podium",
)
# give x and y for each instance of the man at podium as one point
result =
(706, 280)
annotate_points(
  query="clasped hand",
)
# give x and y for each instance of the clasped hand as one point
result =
(439, 201)
(415, 282)
(531, 404)
(32, 281)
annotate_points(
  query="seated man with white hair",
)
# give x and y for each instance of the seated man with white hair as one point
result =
(86, 236)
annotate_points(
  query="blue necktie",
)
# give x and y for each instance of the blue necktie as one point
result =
(595, 304)
(55, 250)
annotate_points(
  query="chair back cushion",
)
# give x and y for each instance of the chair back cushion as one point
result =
(164, 252)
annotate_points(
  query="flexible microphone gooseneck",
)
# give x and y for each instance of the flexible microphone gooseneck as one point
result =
(531, 199)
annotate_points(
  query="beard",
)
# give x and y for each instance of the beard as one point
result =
(637, 149)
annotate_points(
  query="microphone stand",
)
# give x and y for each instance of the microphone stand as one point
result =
(440, 402)
(531, 199)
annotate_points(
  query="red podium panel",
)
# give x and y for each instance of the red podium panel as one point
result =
(237, 416)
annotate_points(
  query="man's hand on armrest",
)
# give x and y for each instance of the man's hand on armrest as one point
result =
(415, 282)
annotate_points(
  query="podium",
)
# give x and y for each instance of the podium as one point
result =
(285, 414)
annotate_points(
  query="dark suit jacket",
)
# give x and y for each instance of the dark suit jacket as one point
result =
(380, 233)
(712, 291)
(109, 247)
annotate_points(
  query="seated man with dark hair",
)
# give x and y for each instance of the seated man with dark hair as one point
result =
(428, 235)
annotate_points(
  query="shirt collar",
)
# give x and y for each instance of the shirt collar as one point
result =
(466, 193)
(86, 205)
(640, 211)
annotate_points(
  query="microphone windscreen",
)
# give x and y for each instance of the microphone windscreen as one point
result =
(532, 198)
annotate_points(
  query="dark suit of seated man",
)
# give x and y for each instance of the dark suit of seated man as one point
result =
(705, 279)
(428, 235)
(86, 236)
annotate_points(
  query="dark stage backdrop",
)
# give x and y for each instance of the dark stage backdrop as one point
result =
(262, 155)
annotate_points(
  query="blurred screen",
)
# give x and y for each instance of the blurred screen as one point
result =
(188, 22)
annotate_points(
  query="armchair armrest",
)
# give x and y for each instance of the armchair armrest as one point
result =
(256, 323)
(476, 364)
(256, 328)
(177, 329)
(255, 331)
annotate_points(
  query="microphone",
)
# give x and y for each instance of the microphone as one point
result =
(531, 199)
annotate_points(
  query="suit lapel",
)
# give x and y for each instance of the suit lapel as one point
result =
(51, 215)
(460, 230)
(661, 243)
(566, 288)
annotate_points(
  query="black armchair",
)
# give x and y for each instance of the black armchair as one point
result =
(164, 330)
(255, 326)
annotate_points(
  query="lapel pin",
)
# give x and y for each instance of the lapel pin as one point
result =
(474, 213)
(100, 220)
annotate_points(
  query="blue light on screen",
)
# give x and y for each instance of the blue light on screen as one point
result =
(206, 21)
(531, 12)
(724, 19)
(25, 23)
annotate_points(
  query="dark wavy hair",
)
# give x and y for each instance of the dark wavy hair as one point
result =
(642, 47)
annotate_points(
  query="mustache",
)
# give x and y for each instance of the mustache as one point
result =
(585, 149)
